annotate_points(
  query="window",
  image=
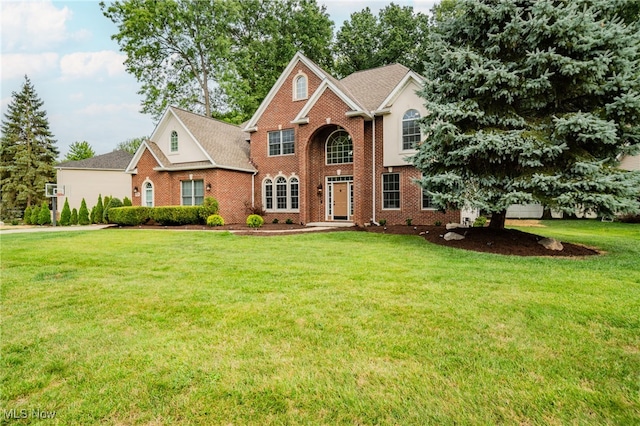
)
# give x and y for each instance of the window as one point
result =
(268, 194)
(339, 148)
(285, 196)
(427, 201)
(300, 87)
(410, 129)
(174, 141)
(148, 194)
(281, 142)
(391, 191)
(192, 192)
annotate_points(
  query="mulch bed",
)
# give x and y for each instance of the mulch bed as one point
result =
(487, 240)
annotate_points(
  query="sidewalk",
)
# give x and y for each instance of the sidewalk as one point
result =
(22, 230)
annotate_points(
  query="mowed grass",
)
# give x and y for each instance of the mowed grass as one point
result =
(165, 327)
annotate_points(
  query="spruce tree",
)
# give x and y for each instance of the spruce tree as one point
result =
(27, 151)
(83, 214)
(532, 102)
(65, 215)
(99, 210)
(74, 217)
(44, 217)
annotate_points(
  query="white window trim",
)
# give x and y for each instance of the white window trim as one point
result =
(296, 95)
(281, 155)
(171, 151)
(326, 147)
(399, 192)
(402, 120)
(274, 199)
(193, 192)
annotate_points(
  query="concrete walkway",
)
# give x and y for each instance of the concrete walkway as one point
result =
(22, 230)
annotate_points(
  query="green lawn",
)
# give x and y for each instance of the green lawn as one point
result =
(164, 327)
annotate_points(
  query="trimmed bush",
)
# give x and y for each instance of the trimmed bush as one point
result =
(126, 202)
(289, 221)
(215, 220)
(44, 217)
(255, 221)
(209, 207)
(176, 215)
(113, 203)
(83, 214)
(97, 217)
(35, 213)
(480, 222)
(26, 218)
(74, 217)
(129, 216)
(65, 216)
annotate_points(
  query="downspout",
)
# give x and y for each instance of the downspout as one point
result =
(253, 189)
(373, 174)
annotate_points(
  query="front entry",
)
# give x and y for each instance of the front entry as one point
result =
(340, 198)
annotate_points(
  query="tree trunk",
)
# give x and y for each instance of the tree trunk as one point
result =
(497, 220)
(546, 213)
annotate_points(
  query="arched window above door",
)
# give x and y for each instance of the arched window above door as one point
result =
(339, 148)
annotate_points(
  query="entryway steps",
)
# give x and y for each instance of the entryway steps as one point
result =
(332, 224)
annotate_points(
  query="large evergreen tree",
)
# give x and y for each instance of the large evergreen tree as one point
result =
(532, 102)
(27, 151)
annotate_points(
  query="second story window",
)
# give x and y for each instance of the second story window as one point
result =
(339, 148)
(300, 87)
(174, 141)
(281, 142)
(410, 129)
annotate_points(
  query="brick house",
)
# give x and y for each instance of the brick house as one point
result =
(318, 149)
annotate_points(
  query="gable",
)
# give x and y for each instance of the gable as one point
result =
(188, 148)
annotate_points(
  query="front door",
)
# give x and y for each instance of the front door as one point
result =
(341, 201)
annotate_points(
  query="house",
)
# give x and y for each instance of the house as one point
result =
(91, 177)
(318, 149)
(189, 157)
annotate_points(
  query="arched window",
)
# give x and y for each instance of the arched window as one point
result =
(148, 194)
(268, 194)
(293, 189)
(174, 141)
(339, 148)
(300, 87)
(281, 193)
(410, 129)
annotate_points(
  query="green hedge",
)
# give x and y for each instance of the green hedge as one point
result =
(129, 216)
(176, 215)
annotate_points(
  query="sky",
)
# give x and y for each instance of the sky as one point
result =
(66, 50)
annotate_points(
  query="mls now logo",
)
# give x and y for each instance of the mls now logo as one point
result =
(15, 414)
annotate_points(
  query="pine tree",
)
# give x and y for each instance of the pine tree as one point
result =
(35, 214)
(27, 151)
(44, 217)
(99, 210)
(83, 214)
(26, 218)
(65, 215)
(532, 102)
(74, 217)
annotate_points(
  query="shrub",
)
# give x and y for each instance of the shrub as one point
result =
(44, 217)
(215, 220)
(257, 209)
(289, 221)
(275, 220)
(382, 222)
(176, 215)
(408, 221)
(35, 213)
(92, 215)
(129, 216)
(74, 217)
(438, 223)
(65, 216)
(27, 216)
(255, 221)
(83, 214)
(113, 203)
(480, 222)
(209, 207)
(15, 222)
(126, 202)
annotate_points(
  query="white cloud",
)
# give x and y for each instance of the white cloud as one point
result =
(32, 26)
(90, 64)
(108, 109)
(76, 96)
(18, 64)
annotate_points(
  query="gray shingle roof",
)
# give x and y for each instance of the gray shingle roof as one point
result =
(225, 143)
(116, 160)
(371, 87)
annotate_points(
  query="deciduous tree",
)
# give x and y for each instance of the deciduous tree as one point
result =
(532, 102)
(79, 150)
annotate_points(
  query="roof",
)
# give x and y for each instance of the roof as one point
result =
(116, 160)
(372, 87)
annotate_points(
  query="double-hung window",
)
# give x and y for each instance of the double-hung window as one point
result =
(281, 142)
(410, 129)
(192, 192)
(391, 191)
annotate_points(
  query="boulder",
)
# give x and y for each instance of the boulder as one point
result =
(453, 226)
(452, 236)
(551, 244)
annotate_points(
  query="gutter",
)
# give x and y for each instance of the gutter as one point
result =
(373, 174)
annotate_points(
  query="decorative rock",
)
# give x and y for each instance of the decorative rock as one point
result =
(551, 244)
(449, 236)
(452, 226)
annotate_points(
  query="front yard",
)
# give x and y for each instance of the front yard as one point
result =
(166, 327)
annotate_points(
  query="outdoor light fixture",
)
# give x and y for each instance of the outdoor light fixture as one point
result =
(319, 189)
(208, 187)
(135, 189)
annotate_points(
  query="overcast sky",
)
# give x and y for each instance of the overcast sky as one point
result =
(65, 48)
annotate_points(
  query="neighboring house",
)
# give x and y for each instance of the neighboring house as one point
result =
(189, 157)
(100, 175)
(336, 150)
(630, 163)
